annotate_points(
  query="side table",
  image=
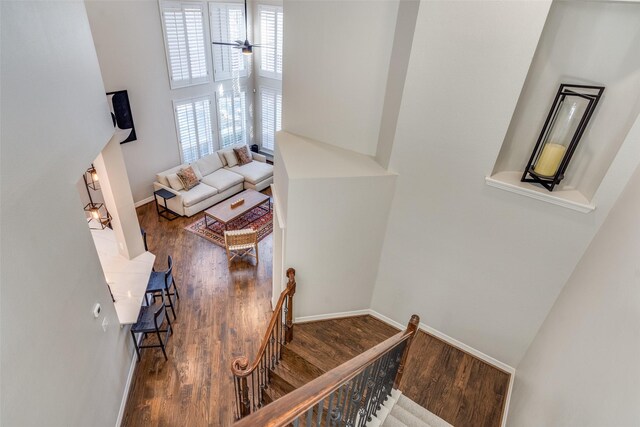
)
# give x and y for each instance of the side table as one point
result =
(165, 212)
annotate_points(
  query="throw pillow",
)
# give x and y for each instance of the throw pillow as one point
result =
(188, 178)
(174, 182)
(230, 157)
(196, 170)
(243, 155)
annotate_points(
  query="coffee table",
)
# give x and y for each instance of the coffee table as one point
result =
(224, 213)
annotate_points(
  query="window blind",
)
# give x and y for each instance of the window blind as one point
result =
(227, 25)
(232, 117)
(183, 25)
(193, 123)
(271, 32)
(271, 112)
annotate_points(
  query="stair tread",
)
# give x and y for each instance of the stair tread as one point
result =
(295, 370)
(420, 412)
(407, 418)
(392, 421)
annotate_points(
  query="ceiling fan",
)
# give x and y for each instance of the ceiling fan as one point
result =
(247, 48)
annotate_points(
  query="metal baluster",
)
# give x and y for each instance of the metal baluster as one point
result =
(253, 393)
(309, 417)
(295, 422)
(327, 421)
(320, 409)
(336, 414)
(360, 409)
(348, 403)
(371, 390)
(237, 396)
(272, 344)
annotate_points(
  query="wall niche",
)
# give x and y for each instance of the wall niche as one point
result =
(589, 43)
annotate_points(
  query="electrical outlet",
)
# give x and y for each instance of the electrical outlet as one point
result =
(105, 322)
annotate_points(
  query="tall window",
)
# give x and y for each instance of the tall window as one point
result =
(193, 122)
(227, 26)
(232, 120)
(184, 39)
(271, 109)
(271, 31)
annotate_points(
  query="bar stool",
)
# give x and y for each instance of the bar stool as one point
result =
(162, 281)
(150, 321)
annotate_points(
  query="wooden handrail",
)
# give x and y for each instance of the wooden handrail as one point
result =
(267, 351)
(285, 410)
(239, 364)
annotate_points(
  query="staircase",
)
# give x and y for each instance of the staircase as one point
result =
(324, 377)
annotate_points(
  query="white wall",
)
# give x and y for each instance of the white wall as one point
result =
(128, 39)
(58, 367)
(335, 70)
(582, 368)
(593, 43)
(336, 201)
(471, 261)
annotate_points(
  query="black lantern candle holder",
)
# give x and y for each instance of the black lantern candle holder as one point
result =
(97, 211)
(566, 122)
(91, 178)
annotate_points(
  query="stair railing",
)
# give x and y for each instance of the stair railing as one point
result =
(250, 381)
(349, 395)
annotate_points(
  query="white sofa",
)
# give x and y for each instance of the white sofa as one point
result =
(218, 181)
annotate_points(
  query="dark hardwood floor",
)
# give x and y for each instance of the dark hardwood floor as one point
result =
(223, 312)
(449, 382)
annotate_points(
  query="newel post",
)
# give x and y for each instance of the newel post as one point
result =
(291, 288)
(242, 390)
(412, 328)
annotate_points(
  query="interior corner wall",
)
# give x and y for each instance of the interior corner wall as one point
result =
(128, 39)
(478, 264)
(336, 60)
(58, 366)
(582, 367)
(330, 244)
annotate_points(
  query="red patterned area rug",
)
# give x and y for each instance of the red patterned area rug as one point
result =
(255, 219)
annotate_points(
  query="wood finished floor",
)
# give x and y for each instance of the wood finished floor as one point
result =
(222, 314)
(450, 383)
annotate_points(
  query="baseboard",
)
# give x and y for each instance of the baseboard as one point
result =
(306, 319)
(127, 386)
(449, 340)
(143, 202)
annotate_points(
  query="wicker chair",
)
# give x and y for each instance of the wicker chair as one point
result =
(240, 243)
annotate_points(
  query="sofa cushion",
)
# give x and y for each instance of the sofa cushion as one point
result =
(161, 177)
(174, 182)
(197, 194)
(243, 155)
(224, 151)
(188, 178)
(254, 172)
(231, 158)
(223, 179)
(209, 164)
(196, 169)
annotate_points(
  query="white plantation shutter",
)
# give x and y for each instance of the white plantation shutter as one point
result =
(193, 122)
(227, 25)
(232, 117)
(271, 32)
(271, 112)
(183, 25)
